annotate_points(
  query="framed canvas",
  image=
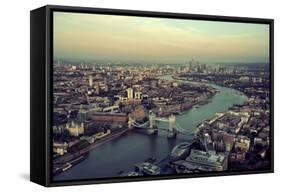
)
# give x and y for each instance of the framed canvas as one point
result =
(124, 95)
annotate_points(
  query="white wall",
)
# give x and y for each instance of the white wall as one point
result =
(14, 102)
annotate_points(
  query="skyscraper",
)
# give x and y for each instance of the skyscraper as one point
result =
(90, 81)
(97, 88)
(130, 93)
(106, 88)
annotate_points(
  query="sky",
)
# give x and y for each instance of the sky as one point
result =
(90, 37)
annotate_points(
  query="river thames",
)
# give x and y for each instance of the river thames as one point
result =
(122, 153)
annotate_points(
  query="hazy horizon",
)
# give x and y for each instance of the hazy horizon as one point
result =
(90, 37)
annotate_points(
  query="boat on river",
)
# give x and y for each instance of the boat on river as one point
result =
(148, 168)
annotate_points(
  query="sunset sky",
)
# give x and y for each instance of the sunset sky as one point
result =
(80, 36)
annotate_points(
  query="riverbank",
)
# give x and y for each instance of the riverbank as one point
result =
(176, 77)
(184, 107)
(219, 102)
(65, 159)
(165, 110)
(131, 148)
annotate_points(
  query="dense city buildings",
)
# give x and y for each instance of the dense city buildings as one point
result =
(138, 96)
(94, 104)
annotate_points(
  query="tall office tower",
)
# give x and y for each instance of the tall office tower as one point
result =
(91, 81)
(130, 93)
(97, 88)
(106, 88)
(190, 65)
(105, 81)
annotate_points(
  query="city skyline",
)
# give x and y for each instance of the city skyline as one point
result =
(79, 36)
(192, 119)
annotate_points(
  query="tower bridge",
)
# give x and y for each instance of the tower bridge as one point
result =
(151, 127)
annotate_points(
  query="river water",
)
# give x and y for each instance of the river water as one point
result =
(122, 153)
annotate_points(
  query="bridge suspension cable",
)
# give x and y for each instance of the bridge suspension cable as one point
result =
(145, 124)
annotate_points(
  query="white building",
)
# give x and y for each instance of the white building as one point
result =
(209, 160)
(130, 93)
(90, 81)
(60, 148)
(244, 79)
(75, 129)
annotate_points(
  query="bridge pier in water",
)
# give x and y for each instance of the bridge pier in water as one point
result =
(172, 132)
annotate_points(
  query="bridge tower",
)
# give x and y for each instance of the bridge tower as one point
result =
(151, 119)
(172, 121)
(130, 122)
(172, 132)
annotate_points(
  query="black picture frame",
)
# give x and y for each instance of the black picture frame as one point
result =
(41, 57)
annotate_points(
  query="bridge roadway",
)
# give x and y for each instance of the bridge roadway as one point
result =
(166, 129)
